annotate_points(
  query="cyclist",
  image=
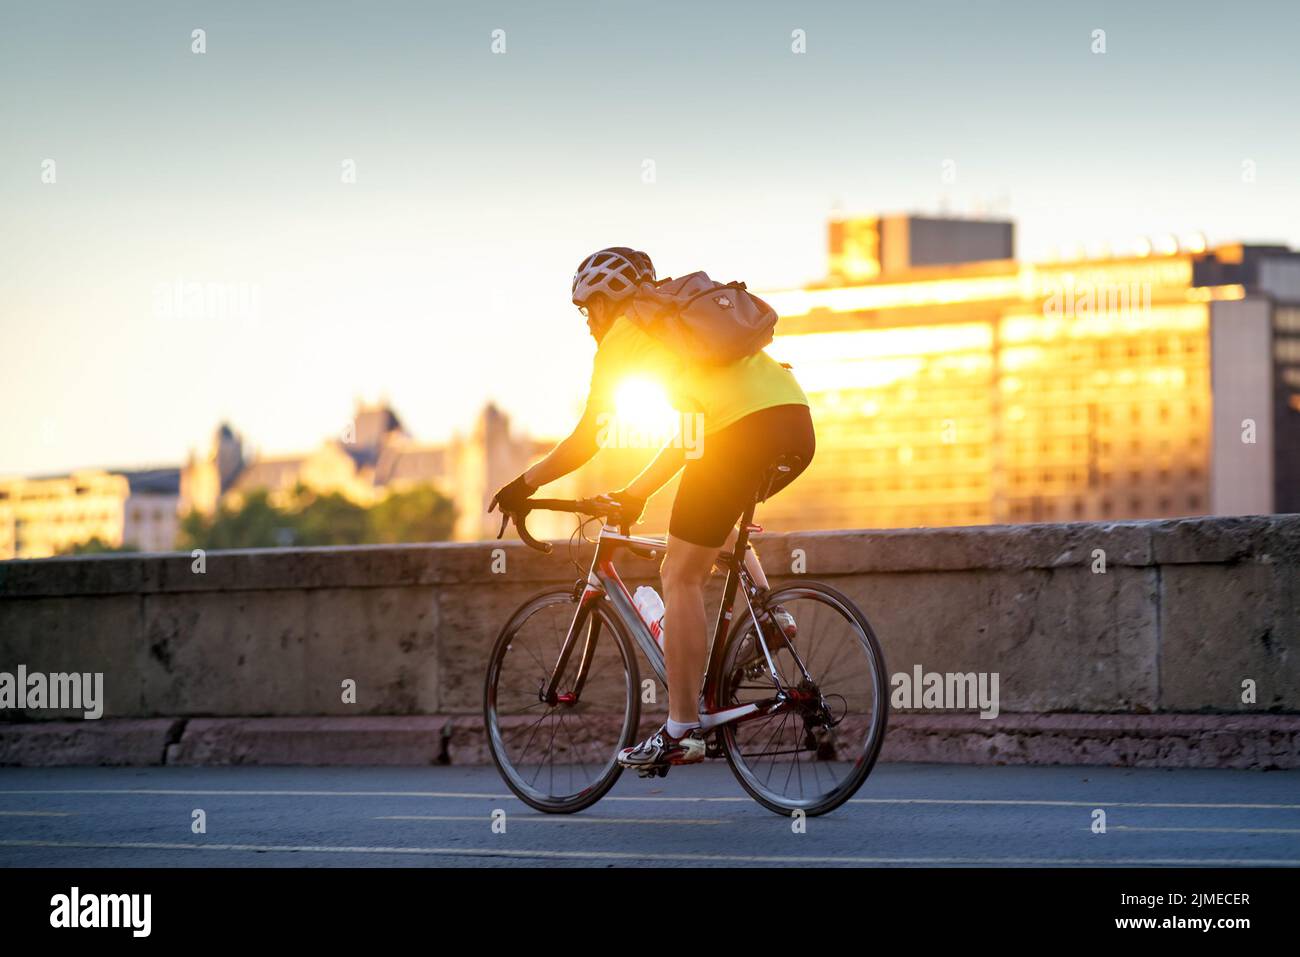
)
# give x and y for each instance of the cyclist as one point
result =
(753, 411)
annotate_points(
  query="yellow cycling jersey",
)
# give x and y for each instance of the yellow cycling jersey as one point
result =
(723, 394)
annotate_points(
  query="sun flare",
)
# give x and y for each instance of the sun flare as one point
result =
(642, 405)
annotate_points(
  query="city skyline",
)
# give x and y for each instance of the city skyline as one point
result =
(951, 384)
(789, 299)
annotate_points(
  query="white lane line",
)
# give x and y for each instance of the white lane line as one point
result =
(649, 856)
(1007, 802)
(551, 819)
(257, 793)
(1208, 830)
(1032, 803)
(38, 813)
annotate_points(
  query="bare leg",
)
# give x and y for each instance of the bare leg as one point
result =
(684, 572)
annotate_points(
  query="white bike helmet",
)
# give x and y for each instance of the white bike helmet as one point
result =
(615, 271)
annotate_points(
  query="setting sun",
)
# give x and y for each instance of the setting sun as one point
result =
(642, 405)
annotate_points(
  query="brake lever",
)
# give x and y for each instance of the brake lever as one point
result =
(505, 520)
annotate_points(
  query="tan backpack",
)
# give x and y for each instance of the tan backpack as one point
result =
(703, 321)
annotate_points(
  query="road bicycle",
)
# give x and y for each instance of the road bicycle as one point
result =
(794, 697)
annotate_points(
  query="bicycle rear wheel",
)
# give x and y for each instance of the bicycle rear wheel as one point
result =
(813, 754)
(559, 757)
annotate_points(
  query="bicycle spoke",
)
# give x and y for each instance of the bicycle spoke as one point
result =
(534, 726)
(841, 677)
(541, 667)
(772, 764)
(817, 774)
(829, 670)
(813, 666)
(536, 704)
(559, 754)
(577, 749)
(550, 751)
(798, 767)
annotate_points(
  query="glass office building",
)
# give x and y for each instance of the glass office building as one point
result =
(953, 385)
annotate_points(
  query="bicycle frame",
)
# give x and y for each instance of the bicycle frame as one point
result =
(603, 581)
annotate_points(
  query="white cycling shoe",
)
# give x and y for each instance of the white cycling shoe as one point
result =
(661, 751)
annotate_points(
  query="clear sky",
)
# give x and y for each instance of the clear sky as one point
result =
(440, 278)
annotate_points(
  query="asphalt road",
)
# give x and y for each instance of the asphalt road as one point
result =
(906, 814)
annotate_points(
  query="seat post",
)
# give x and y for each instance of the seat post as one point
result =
(742, 534)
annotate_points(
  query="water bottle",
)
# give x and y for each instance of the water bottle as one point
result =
(651, 608)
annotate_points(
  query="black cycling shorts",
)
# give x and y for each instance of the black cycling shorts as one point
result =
(718, 486)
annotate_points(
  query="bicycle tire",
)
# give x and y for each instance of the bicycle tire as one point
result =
(612, 630)
(867, 760)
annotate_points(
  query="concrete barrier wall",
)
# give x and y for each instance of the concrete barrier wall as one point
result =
(1184, 612)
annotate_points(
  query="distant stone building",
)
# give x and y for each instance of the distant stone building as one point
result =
(40, 517)
(370, 459)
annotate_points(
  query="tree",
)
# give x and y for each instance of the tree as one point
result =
(255, 523)
(96, 546)
(329, 520)
(422, 514)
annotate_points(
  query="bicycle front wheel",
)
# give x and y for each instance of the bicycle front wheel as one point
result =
(813, 753)
(560, 758)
